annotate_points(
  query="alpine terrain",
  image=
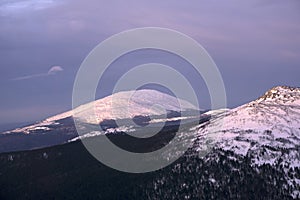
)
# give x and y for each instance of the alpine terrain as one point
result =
(249, 152)
(132, 109)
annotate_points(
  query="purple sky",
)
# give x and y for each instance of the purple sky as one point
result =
(255, 44)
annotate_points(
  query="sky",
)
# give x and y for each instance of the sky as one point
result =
(254, 43)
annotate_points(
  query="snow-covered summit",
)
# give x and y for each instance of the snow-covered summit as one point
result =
(267, 129)
(121, 105)
(281, 94)
(277, 109)
(127, 104)
(273, 118)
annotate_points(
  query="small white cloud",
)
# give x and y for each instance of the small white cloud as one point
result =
(55, 69)
(52, 71)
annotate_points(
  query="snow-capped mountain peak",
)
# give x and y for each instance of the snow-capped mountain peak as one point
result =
(281, 94)
(267, 130)
(121, 105)
(277, 109)
(127, 104)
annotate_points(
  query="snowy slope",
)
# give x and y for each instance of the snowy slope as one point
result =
(118, 106)
(127, 105)
(263, 134)
(267, 130)
(270, 120)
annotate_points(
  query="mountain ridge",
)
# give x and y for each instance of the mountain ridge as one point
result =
(253, 152)
(127, 107)
(127, 104)
(266, 129)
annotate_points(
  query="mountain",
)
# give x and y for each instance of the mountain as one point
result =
(271, 120)
(266, 131)
(143, 106)
(127, 104)
(249, 152)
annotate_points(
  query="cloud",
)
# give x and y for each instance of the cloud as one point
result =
(55, 69)
(52, 71)
(13, 7)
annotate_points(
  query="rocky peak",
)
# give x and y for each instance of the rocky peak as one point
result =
(281, 93)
